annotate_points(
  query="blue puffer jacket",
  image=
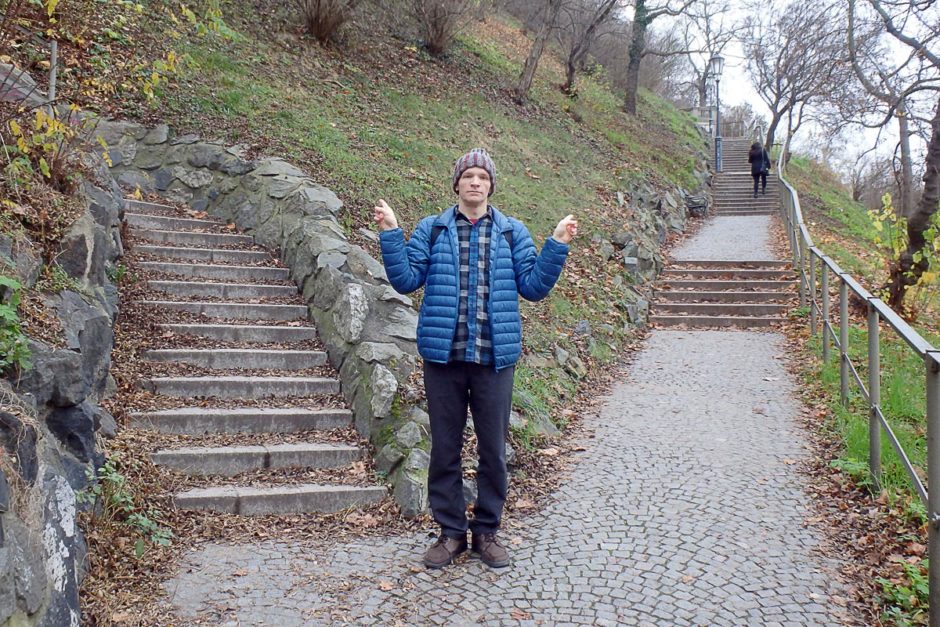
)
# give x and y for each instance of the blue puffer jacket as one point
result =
(521, 271)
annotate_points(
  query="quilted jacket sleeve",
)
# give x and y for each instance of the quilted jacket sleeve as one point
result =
(406, 264)
(536, 272)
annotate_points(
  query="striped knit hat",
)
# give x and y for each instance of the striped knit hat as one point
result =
(476, 158)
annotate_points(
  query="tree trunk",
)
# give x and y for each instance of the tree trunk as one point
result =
(907, 168)
(580, 48)
(701, 85)
(535, 53)
(772, 129)
(637, 45)
(905, 272)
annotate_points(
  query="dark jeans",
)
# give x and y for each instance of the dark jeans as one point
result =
(763, 177)
(452, 388)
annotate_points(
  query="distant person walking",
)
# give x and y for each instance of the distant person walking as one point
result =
(474, 263)
(760, 166)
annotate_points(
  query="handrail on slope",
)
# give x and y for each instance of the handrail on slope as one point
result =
(811, 263)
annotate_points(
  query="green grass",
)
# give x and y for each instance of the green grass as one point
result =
(903, 402)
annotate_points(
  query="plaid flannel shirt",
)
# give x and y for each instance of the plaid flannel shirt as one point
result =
(472, 341)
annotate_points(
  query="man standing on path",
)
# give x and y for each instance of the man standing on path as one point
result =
(474, 262)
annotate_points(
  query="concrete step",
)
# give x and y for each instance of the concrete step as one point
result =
(719, 309)
(240, 387)
(721, 285)
(223, 290)
(199, 420)
(239, 358)
(212, 255)
(244, 332)
(169, 223)
(189, 238)
(233, 460)
(740, 322)
(767, 212)
(726, 263)
(143, 206)
(295, 499)
(234, 311)
(726, 273)
(674, 296)
(225, 273)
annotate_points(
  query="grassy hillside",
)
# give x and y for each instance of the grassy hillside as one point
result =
(376, 117)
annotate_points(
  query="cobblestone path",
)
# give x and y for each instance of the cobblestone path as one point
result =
(686, 508)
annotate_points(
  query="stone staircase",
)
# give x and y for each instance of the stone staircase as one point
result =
(245, 376)
(703, 293)
(725, 292)
(733, 188)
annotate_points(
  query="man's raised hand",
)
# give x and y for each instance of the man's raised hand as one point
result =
(384, 216)
(566, 229)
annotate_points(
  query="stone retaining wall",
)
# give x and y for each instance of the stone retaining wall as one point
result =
(49, 418)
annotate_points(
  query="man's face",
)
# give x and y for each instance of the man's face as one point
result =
(473, 186)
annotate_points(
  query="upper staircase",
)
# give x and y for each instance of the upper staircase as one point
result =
(246, 404)
(726, 291)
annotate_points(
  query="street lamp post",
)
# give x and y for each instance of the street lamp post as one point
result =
(715, 65)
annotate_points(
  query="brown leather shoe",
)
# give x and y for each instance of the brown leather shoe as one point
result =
(490, 550)
(444, 550)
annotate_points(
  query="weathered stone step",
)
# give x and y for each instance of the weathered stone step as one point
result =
(169, 223)
(240, 387)
(747, 204)
(244, 332)
(740, 322)
(296, 499)
(674, 296)
(209, 271)
(233, 460)
(728, 263)
(143, 206)
(737, 213)
(199, 420)
(726, 273)
(719, 309)
(188, 238)
(222, 290)
(715, 285)
(234, 311)
(239, 358)
(216, 255)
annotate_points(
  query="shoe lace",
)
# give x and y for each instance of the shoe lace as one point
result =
(492, 538)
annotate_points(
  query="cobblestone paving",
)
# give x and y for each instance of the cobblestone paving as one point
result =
(729, 238)
(684, 509)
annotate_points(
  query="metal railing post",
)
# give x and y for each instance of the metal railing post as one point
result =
(802, 276)
(824, 295)
(932, 372)
(844, 342)
(874, 398)
(812, 292)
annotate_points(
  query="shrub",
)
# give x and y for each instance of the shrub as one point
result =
(13, 348)
(323, 18)
(441, 20)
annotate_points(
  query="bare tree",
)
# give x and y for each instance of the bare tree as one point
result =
(535, 52)
(584, 23)
(707, 30)
(643, 16)
(917, 26)
(795, 57)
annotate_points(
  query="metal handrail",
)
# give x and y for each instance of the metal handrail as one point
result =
(807, 260)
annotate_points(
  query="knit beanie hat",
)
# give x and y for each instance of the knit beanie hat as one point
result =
(476, 158)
